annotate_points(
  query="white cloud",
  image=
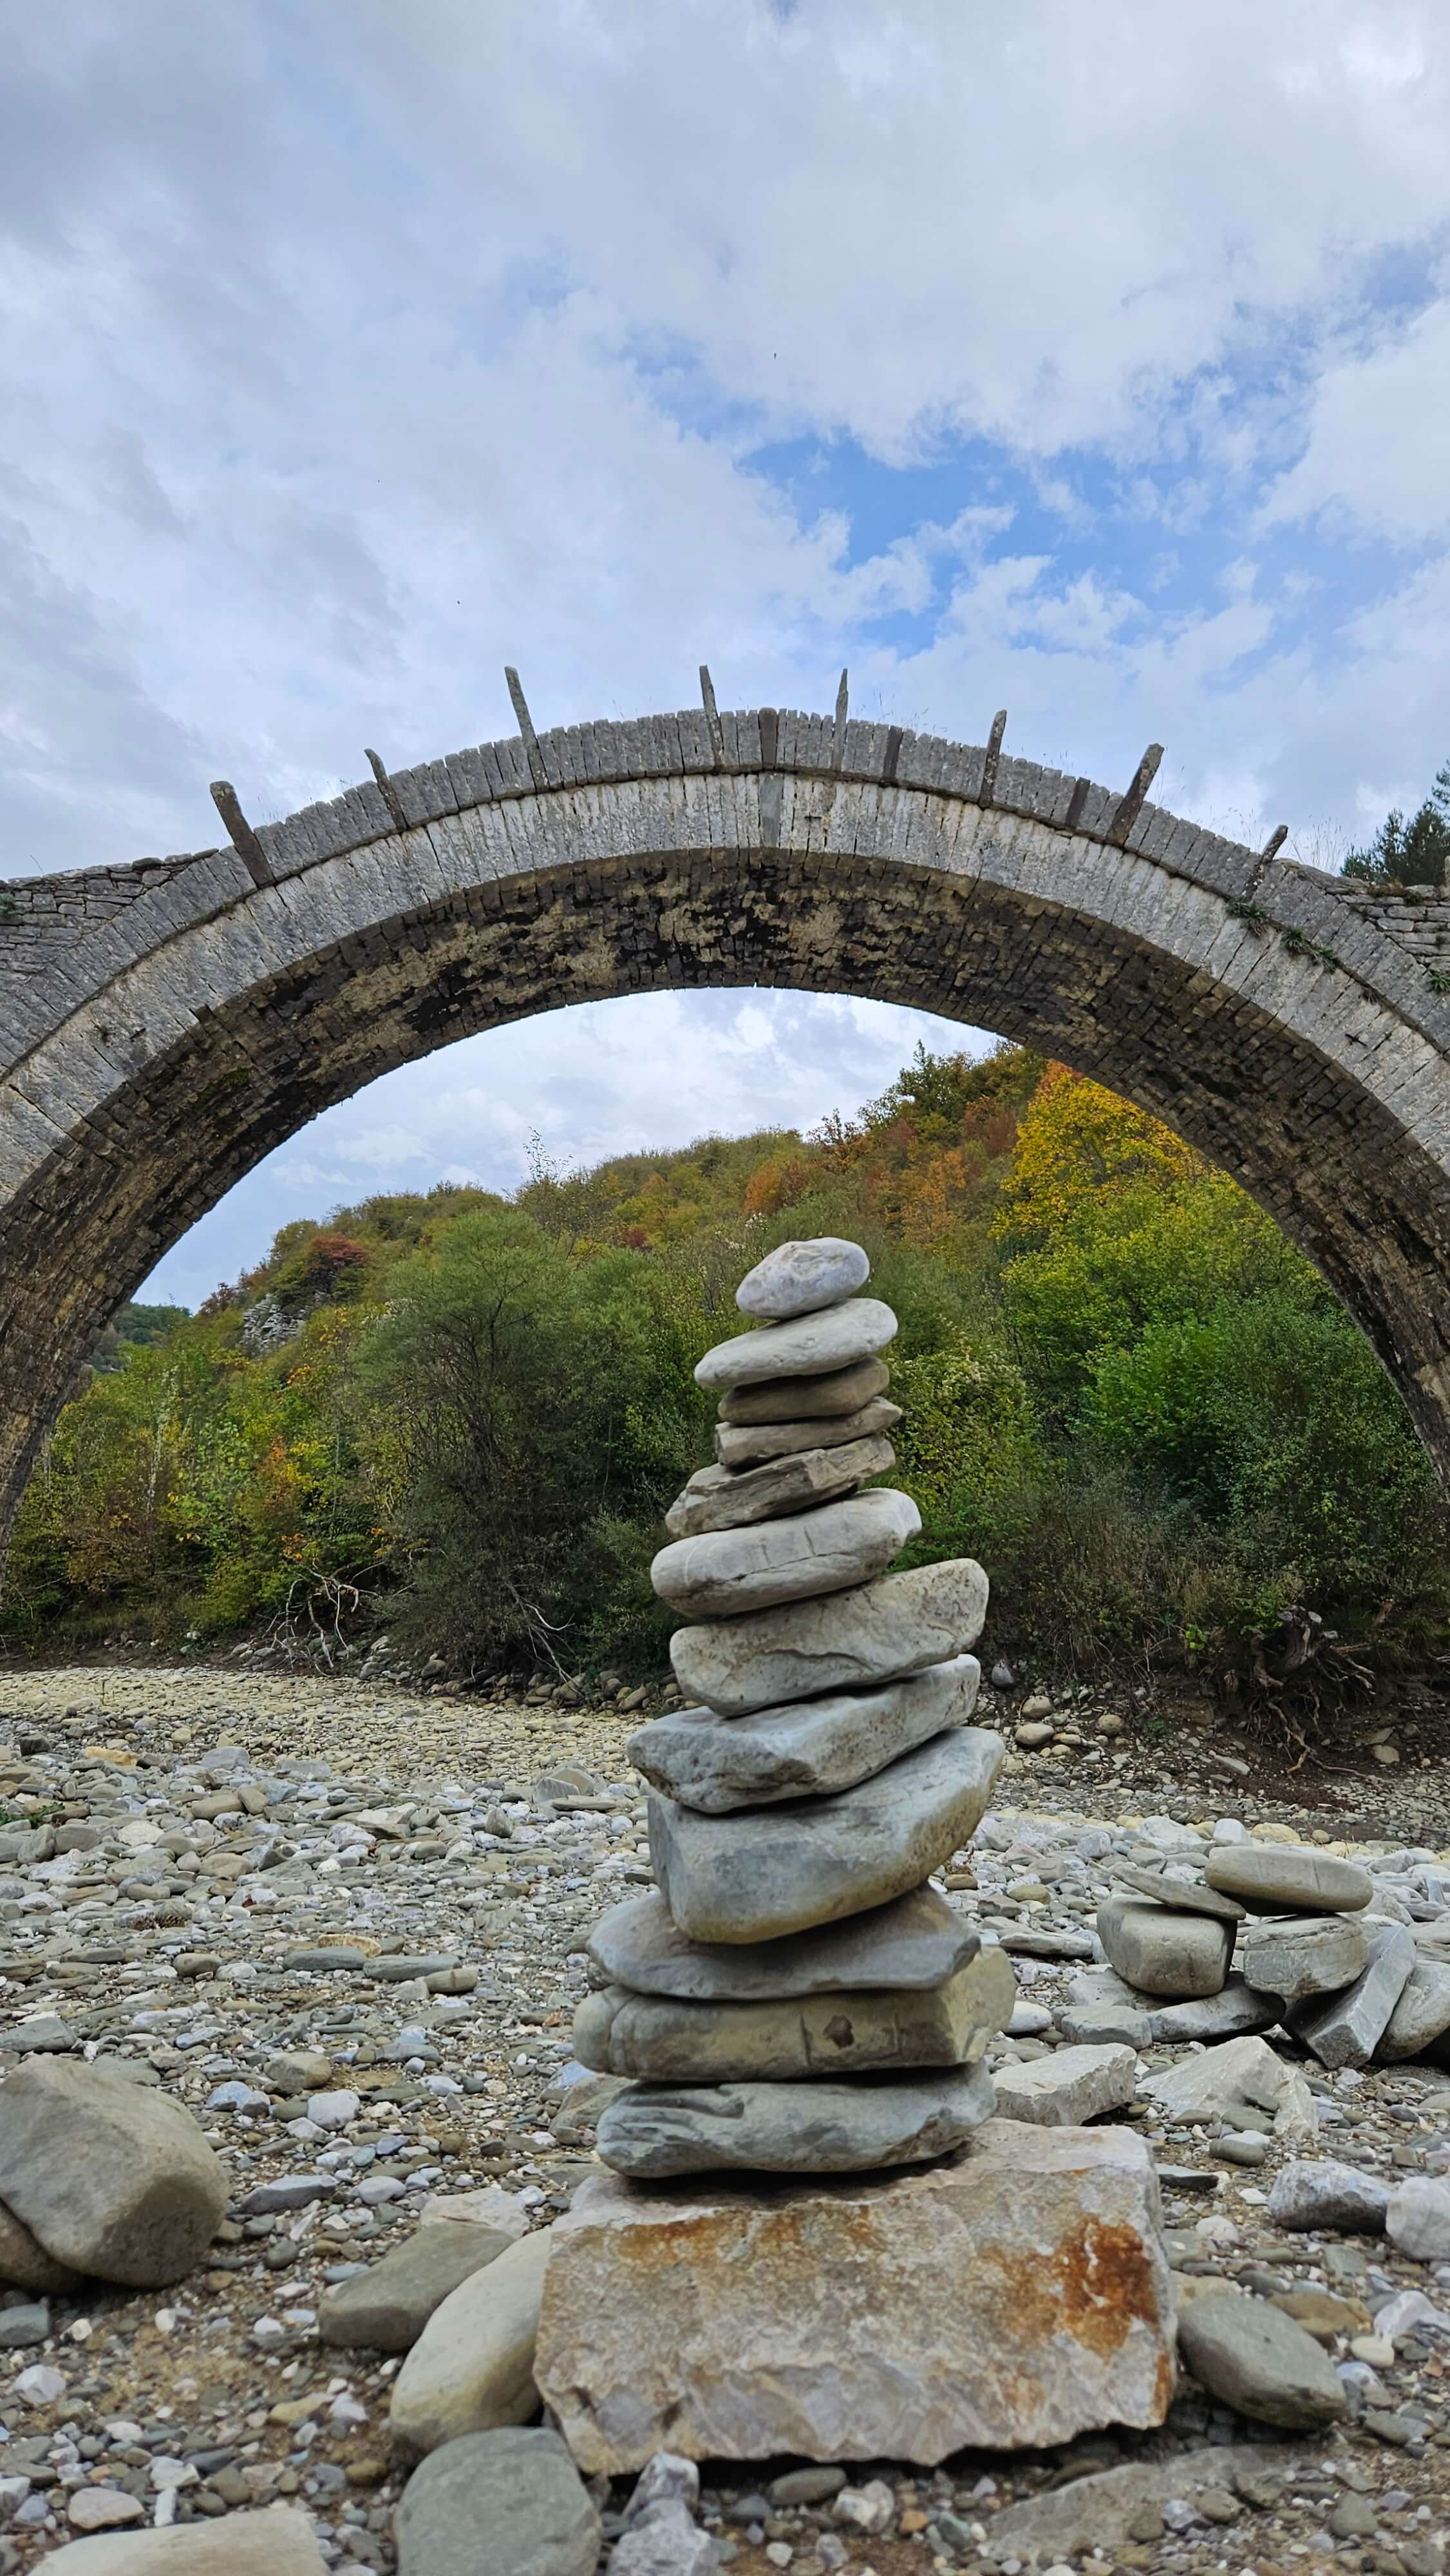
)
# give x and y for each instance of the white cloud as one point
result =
(353, 351)
(1376, 449)
(651, 1071)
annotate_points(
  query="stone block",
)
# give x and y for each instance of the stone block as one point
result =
(1067, 2088)
(1163, 1952)
(1011, 2297)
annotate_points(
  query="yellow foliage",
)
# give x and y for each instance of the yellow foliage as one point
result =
(1075, 1141)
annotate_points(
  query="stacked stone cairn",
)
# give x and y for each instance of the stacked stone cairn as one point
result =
(1259, 1934)
(795, 1997)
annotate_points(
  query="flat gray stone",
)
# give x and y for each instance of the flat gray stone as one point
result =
(899, 1624)
(1067, 2088)
(719, 1498)
(1347, 2030)
(44, 2035)
(796, 1399)
(1422, 2014)
(1045, 1941)
(655, 2130)
(1092, 2516)
(663, 2041)
(110, 2178)
(759, 1875)
(1234, 2010)
(810, 1346)
(809, 1748)
(1159, 1952)
(1292, 1956)
(23, 2325)
(385, 2308)
(1106, 2026)
(1273, 1875)
(1317, 2192)
(801, 1278)
(739, 1445)
(1258, 2360)
(510, 2500)
(917, 1941)
(728, 1573)
(1180, 1895)
(279, 2540)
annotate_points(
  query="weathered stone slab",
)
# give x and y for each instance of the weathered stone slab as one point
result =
(1160, 1952)
(1182, 1894)
(849, 1641)
(800, 1278)
(1067, 2089)
(385, 2308)
(1229, 2014)
(664, 2041)
(758, 1875)
(654, 2131)
(808, 1347)
(1012, 2298)
(717, 1498)
(1093, 2516)
(728, 1573)
(1421, 2016)
(278, 2541)
(916, 1941)
(1243, 2074)
(1273, 1875)
(738, 1445)
(1292, 1956)
(795, 1399)
(809, 1748)
(1347, 2030)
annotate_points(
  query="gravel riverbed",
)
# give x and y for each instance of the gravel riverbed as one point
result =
(262, 1891)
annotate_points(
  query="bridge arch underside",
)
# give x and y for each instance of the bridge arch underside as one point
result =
(1341, 1173)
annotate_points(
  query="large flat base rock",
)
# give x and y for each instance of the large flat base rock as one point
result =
(1013, 2296)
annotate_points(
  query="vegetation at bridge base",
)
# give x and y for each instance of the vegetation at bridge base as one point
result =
(1124, 1389)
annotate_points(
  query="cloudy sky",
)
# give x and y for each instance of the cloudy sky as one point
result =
(1090, 361)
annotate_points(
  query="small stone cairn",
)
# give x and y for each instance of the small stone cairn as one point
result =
(795, 1997)
(1254, 1934)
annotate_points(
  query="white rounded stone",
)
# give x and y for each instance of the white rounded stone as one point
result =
(800, 1278)
(806, 1347)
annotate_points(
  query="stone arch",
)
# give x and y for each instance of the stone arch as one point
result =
(163, 1027)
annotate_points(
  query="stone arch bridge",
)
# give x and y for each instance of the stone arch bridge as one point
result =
(164, 1025)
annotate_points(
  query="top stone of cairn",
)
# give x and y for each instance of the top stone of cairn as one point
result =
(800, 1278)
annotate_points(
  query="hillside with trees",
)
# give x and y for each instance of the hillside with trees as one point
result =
(463, 1416)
